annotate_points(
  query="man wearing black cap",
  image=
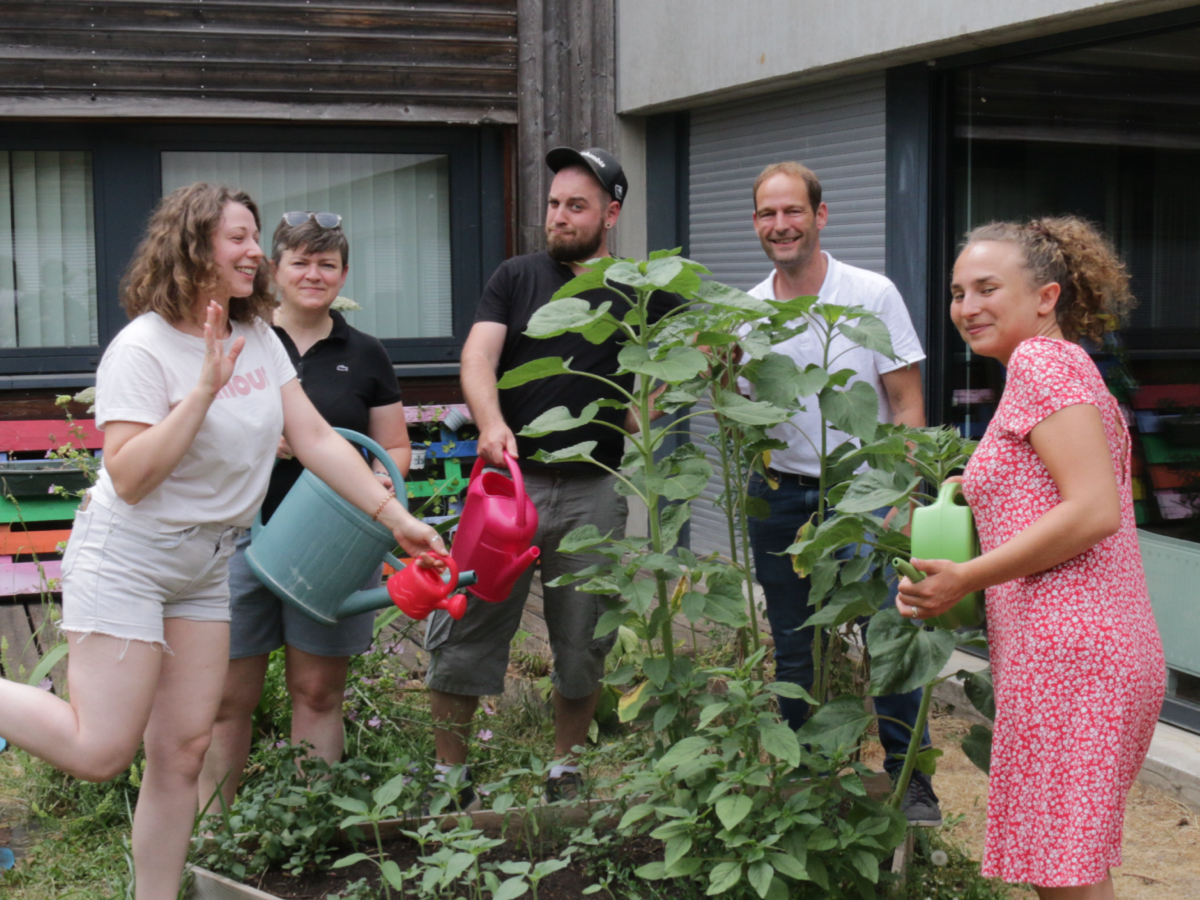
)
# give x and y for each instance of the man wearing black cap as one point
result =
(469, 657)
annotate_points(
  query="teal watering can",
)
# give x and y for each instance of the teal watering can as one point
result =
(318, 546)
(945, 529)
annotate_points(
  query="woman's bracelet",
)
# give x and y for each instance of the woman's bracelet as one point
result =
(385, 502)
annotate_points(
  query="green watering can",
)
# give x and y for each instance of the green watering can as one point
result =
(945, 529)
(318, 546)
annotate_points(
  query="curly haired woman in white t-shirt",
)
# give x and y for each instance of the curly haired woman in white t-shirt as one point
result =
(193, 396)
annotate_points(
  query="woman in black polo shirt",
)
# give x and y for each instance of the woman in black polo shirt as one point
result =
(349, 378)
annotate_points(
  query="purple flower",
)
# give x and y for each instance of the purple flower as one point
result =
(45, 684)
(52, 489)
(489, 709)
(374, 722)
(484, 735)
(279, 745)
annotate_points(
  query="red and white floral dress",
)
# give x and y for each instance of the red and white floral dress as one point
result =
(1076, 656)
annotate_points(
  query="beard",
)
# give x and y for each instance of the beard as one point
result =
(577, 247)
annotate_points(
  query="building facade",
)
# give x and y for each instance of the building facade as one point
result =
(924, 120)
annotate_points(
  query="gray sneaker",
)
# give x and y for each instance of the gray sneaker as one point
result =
(567, 786)
(920, 803)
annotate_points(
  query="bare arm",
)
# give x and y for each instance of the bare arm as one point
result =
(332, 459)
(389, 429)
(480, 361)
(903, 387)
(1072, 445)
(139, 457)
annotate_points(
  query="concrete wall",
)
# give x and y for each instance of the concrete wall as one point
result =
(674, 54)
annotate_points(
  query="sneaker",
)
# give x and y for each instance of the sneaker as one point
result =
(920, 803)
(567, 786)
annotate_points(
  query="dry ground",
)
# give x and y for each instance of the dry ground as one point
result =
(1162, 836)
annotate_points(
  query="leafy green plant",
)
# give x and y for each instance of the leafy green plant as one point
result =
(386, 802)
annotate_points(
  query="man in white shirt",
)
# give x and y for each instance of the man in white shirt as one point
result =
(788, 218)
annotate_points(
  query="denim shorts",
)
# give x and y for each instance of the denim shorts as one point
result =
(122, 579)
(260, 622)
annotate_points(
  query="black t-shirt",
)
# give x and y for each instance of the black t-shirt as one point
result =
(345, 375)
(519, 287)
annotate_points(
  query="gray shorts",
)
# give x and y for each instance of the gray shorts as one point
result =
(261, 622)
(470, 656)
(122, 579)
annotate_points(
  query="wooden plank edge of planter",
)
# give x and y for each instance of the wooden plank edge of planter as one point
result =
(208, 885)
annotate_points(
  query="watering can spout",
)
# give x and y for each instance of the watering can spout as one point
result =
(364, 601)
(517, 565)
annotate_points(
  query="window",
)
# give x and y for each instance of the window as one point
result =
(47, 250)
(423, 210)
(395, 212)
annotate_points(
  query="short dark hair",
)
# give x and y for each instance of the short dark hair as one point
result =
(311, 235)
(794, 170)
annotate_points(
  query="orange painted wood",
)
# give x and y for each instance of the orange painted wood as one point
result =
(15, 542)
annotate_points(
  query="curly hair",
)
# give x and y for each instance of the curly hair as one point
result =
(1072, 253)
(173, 265)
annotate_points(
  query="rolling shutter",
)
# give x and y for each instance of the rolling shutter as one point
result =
(837, 130)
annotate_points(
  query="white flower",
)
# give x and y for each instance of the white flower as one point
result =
(939, 857)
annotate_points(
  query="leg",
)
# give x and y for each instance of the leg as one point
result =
(177, 736)
(452, 715)
(572, 719)
(94, 737)
(786, 594)
(1102, 890)
(317, 685)
(232, 731)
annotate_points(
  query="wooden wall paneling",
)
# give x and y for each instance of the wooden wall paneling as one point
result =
(21, 657)
(565, 73)
(49, 634)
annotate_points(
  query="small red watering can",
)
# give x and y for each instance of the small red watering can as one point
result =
(418, 591)
(496, 531)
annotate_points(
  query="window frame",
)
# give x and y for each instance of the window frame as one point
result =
(127, 179)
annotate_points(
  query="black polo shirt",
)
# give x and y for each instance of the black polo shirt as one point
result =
(521, 286)
(345, 375)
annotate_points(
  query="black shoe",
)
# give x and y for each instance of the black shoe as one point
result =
(920, 803)
(443, 798)
(567, 786)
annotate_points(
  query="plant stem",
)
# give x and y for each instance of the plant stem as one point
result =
(914, 746)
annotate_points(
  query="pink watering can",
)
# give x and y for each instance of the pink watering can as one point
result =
(496, 531)
(419, 591)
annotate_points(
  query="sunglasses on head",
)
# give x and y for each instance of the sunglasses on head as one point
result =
(324, 219)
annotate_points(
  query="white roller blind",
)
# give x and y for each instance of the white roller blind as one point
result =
(47, 250)
(395, 211)
(837, 130)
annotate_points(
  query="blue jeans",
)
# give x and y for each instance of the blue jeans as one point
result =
(787, 608)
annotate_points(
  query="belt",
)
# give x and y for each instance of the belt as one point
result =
(807, 481)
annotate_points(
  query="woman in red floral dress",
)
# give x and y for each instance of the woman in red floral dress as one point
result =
(1076, 656)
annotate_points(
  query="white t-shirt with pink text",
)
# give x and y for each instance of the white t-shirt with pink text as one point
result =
(147, 370)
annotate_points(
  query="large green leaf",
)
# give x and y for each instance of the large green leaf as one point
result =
(679, 364)
(904, 655)
(559, 419)
(859, 598)
(533, 370)
(977, 746)
(582, 538)
(581, 452)
(748, 412)
(874, 489)
(692, 478)
(780, 741)
(870, 332)
(588, 280)
(733, 808)
(980, 690)
(661, 272)
(834, 532)
(717, 294)
(561, 316)
(681, 752)
(836, 726)
(854, 410)
(626, 272)
(723, 876)
(759, 874)
(673, 519)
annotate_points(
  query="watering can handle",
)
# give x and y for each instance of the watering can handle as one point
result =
(518, 480)
(949, 492)
(451, 565)
(382, 455)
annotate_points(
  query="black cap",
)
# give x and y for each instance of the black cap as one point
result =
(602, 164)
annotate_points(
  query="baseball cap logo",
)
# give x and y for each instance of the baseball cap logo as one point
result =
(617, 191)
(593, 157)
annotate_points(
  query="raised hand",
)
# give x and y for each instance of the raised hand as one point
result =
(218, 366)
